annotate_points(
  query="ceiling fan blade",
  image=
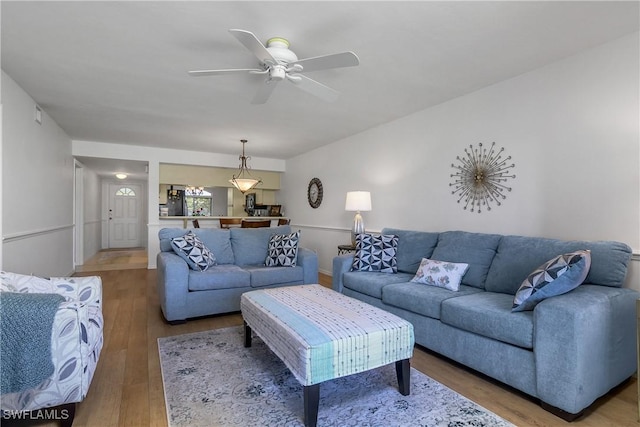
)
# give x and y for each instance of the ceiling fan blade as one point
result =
(251, 42)
(264, 92)
(336, 60)
(200, 73)
(315, 88)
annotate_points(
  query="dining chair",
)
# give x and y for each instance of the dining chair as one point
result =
(230, 222)
(256, 223)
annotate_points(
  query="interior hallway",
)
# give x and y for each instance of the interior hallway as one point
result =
(115, 259)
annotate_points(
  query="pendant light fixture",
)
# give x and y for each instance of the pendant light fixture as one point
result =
(243, 181)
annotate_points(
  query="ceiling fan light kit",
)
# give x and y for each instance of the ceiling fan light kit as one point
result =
(279, 63)
(279, 49)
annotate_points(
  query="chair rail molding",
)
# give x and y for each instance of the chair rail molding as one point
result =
(32, 233)
(331, 228)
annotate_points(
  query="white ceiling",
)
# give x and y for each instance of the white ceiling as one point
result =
(116, 71)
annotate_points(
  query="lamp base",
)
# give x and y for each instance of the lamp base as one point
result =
(358, 227)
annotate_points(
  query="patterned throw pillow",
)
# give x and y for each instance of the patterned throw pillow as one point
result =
(375, 253)
(555, 277)
(193, 251)
(442, 274)
(283, 250)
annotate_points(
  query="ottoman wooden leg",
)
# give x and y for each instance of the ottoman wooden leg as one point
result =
(311, 402)
(403, 371)
(247, 335)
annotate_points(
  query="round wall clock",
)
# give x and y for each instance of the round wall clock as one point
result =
(314, 193)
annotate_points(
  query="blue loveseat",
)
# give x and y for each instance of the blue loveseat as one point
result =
(240, 254)
(568, 351)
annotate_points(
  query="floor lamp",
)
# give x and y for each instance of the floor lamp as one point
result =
(358, 201)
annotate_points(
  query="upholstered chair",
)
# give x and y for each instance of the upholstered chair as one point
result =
(76, 342)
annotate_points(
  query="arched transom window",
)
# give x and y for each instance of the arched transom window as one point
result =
(125, 191)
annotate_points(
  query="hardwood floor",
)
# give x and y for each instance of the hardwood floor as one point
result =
(115, 259)
(127, 387)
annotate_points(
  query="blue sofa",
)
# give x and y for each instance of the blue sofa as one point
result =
(567, 352)
(240, 254)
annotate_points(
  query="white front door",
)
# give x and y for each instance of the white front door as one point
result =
(124, 215)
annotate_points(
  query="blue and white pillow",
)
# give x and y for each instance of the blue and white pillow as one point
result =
(283, 250)
(191, 249)
(376, 253)
(442, 274)
(555, 277)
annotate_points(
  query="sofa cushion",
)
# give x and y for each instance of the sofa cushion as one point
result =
(489, 314)
(412, 247)
(518, 256)
(475, 249)
(215, 239)
(219, 277)
(219, 242)
(375, 253)
(283, 250)
(443, 274)
(555, 277)
(191, 249)
(420, 299)
(371, 283)
(250, 245)
(266, 276)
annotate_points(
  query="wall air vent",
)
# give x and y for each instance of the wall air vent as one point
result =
(38, 115)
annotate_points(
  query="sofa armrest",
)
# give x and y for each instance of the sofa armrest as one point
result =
(584, 344)
(76, 339)
(173, 285)
(341, 264)
(79, 290)
(15, 282)
(86, 290)
(308, 260)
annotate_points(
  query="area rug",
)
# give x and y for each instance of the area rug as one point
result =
(211, 379)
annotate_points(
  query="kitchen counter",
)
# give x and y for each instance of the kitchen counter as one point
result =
(211, 221)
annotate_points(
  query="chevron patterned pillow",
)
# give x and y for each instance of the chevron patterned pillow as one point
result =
(375, 253)
(283, 250)
(191, 249)
(555, 277)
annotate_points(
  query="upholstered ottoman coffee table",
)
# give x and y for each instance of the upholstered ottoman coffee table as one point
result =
(321, 334)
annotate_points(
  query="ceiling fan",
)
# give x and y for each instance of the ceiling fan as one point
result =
(278, 63)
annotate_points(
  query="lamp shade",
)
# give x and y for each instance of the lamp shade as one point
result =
(358, 201)
(244, 184)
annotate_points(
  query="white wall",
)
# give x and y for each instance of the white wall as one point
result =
(92, 227)
(37, 189)
(220, 199)
(572, 129)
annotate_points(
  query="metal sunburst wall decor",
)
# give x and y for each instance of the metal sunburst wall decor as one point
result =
(480, 177)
